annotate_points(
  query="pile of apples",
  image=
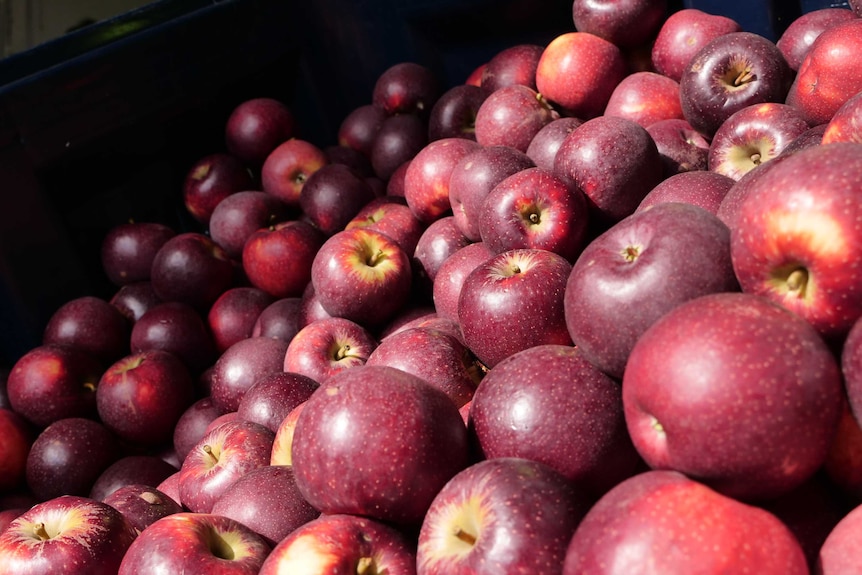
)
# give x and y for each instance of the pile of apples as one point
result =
(595, 310)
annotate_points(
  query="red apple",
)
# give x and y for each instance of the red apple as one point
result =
(535, 209)
(148, 470)
(282, 446)
(327, 346)
(513, 301)
(359, 128)
(406, 88)
(839, 554)
(67, 534)
(288, 166)
(505, 515)
(681, 147)
(272, 397)
(266, 500)
(192, 425)
(16, 437)
(398, 140)
(220, 458)
(256, 126)
(177, 328)
(754, 135)
(454, 113)
(846, 123)
(332, 196)
(141, 504)
(549, 404)
(278, 259)
(449, 279)
(391, 216)
(353, 159)
(797, 38)
(52, 382)
(134, 299)
(239, 215)
(343, 543)
(361, 275)
(127, 250)
(68, 456)
(512, 116)
(280, 319)
(740, 367)
(545, 144)
(241, 366)
(578, 72)
(645, 98)
(89, 324)
(440, 239)
(141, 397)
(210, 180)
(843, 464)
(674, 524)
(626, 23)
(795, 237)
(196, 542)
(233, 315)
(700, 188)
(512, 65)
(682, 34)
(426, 182)
(408, 434)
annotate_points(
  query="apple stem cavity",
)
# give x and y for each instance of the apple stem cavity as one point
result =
(40, 532)
(219, 547)
(342, 352)
(209, 451)
(797, 281)
(376, 258)
(367, 566)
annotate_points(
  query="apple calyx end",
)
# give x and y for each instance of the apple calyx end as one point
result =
(630, 253)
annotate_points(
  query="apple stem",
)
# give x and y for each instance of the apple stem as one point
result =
(40, 532)
(365, 566)
(376, 258)
(534, 218)
(342, 352)
(467, 538)
(209, 451)
(90, 386)
(797, 281)
(755, 159)
(744, 77)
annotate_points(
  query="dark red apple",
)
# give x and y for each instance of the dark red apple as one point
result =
(645, 98)
(626, 23)
(406, 88)
(682, 34)
(192, 425)
(332, 196)
(359, 128)
(92, 325)
(426, 182)
(288, 166)
(241, 366)
(681, 147)
(141, 504)
(351, 158)
(233, 315)
(513, 301)
(440, 239)
(454, 113)
(177, 328)
(391, 216)
(846, 123)
(127, 250)
(701, 188)
(796, 39)
(545, 144)
(239, 215)
(273, 396)
(280, 319)
(278, 259)
(398, 140)
(210, 180)
(740, 367)
(408, 434)
(512, 65)
(256, 126)
(328, 346)
(148, 470)
(549, 404)
(450, 277)
(512, 116)
(134, 299)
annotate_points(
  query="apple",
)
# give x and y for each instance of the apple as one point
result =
(282, 446)
(682, 34)
(406, 88)
(549, 404)
(343, 543)
(796, 39)
(328, 346)
(701, 188)
(440, 240)
(210, 180)
(681, 147)
(503, 515)
(846, 123)
(778, 244)
(414, 315)
(391, 216)
(192, 424)
(395, 183)
(626, 23)
(578, 72)
(454, 113)
(128, 249)
(266, 500)
(141, 504)
(132, 300)
(255, 127)
(359, 128)
(66, 534)
(474, 176)
(68, 456)
(398, 140)
(278, 259)
(90, 324)
(513, 301)
(664, 522)
(193, 269)
(220, 458)
(351, 158)
(426, 181)
(633, 274)
(241, 366)
(233, 315)
(272, 397)
(740, 367)
(141, 396)
(142, 469)
(512, 116)
(839, 554)
(178, 328)
(309, 308)
(851, 358)
(196, 542)
(408, 435)
(545, 144)
(754, 135)
(362, 275)
(288, 166)
(332, 196)
(513, 65)
(843, 464)
(449, 279)
(239, 215)
(646, 98)
(280, 319)
(52, 382)
(731, 72)
(856, 6)
(16, 437)
(436, 356)
(535, 209)
(813, 136)
(614, 161)
(828, 75)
